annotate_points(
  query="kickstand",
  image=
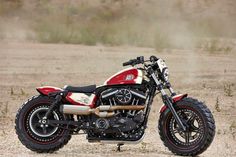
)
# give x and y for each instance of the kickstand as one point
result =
(118, 147)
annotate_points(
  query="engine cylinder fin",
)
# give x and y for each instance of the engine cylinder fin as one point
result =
(110, 101)
(124, 96)
(131, 110)
(114, 101)
(137, 94)
(136, 105)
(109, 94)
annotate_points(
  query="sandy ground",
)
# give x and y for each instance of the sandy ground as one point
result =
(206, 76)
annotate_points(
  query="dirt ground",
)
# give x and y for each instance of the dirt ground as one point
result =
(210, 77)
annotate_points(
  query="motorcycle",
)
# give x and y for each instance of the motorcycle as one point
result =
(116, 112)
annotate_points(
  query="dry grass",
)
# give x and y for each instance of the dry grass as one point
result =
(104, 25)
(228, 89)
(22, 91)
(233, 129)
(12, 91)
(143, 146)
(217, 105)
(4, 110)
(216, 45)
(152, 23)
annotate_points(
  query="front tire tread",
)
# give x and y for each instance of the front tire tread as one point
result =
(209, 137)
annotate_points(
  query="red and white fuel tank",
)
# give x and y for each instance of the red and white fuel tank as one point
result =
(126, 76)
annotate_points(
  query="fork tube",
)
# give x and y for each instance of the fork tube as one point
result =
(167, 102)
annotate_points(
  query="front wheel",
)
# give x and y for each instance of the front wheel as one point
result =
(200, 126)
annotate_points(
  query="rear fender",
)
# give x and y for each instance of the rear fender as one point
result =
(45, 90)
(175, 99)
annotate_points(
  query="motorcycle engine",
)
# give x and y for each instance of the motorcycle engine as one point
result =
(123, 96)
(124, 120)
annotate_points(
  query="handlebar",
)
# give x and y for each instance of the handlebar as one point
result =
(139, 60)
(133, 62)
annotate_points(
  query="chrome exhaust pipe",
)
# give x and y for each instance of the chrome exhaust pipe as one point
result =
(84, 110)
(74, 109)
(101, 111)
(120, 107)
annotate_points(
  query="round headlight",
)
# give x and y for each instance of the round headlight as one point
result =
(163, 69)
(165, 74)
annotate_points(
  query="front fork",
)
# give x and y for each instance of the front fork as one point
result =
(168, 101)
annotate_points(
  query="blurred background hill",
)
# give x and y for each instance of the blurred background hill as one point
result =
(205, 24)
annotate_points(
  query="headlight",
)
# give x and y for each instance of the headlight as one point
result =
(163, 69)
(165, 74)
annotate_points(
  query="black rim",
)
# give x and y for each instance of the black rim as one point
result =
(194, 132)
(38, 128)
(39, 125)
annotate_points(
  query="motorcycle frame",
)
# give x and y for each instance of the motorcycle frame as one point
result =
(154, 85)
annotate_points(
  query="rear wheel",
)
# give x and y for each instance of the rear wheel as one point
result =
(35, 132)
(200, 128)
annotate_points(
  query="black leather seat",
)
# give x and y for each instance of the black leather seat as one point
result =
(84, 89)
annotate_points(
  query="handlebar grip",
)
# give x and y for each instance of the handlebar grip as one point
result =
(128, 63)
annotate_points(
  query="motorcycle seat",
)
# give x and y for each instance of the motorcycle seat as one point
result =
(83, 89)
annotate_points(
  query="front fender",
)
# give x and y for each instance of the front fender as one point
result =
(45, 90)
(175, 99)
